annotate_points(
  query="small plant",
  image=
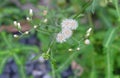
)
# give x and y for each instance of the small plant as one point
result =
(83, 34)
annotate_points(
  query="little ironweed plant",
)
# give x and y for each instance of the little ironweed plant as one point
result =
(60, 35)
(83, 34)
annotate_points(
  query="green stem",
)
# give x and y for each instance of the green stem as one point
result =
(53, 71)
(90, 20)
(51, 45)
(93, 73)
(53, 68)
(109, 66)
(21, 67)
(117, 9)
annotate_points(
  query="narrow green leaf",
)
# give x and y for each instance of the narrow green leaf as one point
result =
(110, 35)
(109, 63)
(2, 64)
(20, 65)
(2, 53)
(17, 60)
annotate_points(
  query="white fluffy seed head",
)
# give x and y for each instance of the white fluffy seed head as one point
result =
(60, 38)
(67, 33)
(69, 23)
(87, 41)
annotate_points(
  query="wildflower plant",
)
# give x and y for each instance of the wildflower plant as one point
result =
(60, 34)
(65, 37)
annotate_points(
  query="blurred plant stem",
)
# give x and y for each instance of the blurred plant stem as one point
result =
(109, 63)
(20, 64)
(117, 9)
(90, 20)
(93, 72)
(53, 67)
(110, 36)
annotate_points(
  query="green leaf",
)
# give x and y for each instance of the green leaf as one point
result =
(2, 64)
(20, 65)
(110, 35)
(2, 53)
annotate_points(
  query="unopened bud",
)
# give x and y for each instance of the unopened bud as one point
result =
(19, 26)
(28, 19)
(45, 20)
(35, 26)
(15, 23)
(70, 49)
(87, 41)
(27, 32)
(87, 35)
(89, 30)
(78, 48)
(15, 35)
(31, 12)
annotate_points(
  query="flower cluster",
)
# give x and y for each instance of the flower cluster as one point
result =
(29, 19)
(67, 26)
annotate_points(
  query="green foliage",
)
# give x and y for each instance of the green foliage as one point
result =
(110, 36)
(99, 59)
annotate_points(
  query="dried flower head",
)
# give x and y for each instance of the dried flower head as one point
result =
(67, 33)
(45, 12)
(60, 38)
(69, 23)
